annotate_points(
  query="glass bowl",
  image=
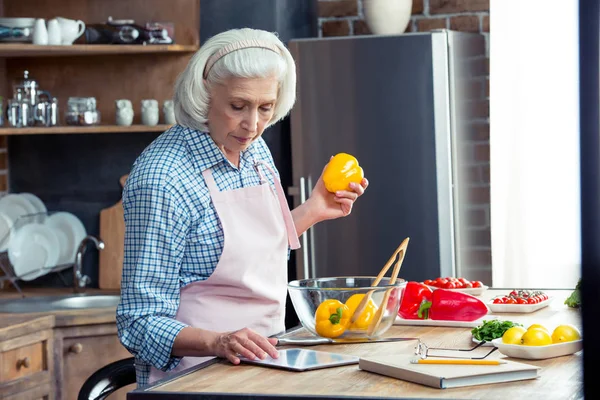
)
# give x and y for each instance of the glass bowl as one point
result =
(308, 294)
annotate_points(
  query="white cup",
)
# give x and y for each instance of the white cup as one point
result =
(124, 112)
(150, 113)
(70, 29)
(40, 33)
(54, 36)
(169, 112)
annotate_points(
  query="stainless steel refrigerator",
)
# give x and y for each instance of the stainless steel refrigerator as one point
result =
(398, 104)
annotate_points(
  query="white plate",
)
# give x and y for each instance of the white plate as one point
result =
(17, 22)
(38, 205)
(518, 308)
(472, 291)
(538, 352)
(5, 226)
(70, 231)
(33, 248)
(16, 206)
(431, 322)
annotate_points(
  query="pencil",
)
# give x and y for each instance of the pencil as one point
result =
(457, 361)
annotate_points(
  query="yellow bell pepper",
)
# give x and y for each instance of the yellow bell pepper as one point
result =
(341, 170)
(365, 318)
(332, 318)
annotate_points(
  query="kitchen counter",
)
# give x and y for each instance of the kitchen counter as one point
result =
(63, 318)
(15, 325)
(560, 378)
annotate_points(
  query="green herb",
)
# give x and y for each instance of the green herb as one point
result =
(491, 330)
(574, 300)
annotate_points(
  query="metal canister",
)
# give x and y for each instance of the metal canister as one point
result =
(13, 112)
(26, 114)
(52, 112)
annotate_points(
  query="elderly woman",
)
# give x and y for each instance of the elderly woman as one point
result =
(208, 228)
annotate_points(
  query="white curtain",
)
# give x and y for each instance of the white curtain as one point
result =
(534, 143)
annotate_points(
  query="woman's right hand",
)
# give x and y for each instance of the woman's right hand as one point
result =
(244, 342)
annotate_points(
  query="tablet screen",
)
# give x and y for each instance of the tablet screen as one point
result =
(304, 360)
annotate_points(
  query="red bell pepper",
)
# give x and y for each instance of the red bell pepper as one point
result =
(415, 293)
(450, 305)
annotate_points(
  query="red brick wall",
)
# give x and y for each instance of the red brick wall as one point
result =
(345, 17)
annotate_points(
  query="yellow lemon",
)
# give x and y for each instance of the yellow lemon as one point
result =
(513, 335)
(536, 337)
(538, 326)
(565, 333)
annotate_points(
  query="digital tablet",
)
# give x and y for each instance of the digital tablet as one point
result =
(303, 360)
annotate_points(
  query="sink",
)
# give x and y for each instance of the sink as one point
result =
(54, 303)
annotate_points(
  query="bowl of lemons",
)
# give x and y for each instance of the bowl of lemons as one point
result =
(538, 342)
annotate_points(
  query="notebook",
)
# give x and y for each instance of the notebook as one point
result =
(446, 376)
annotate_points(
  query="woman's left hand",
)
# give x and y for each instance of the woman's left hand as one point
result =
(327, 205)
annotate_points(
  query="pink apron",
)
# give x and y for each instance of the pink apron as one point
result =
(248, 288)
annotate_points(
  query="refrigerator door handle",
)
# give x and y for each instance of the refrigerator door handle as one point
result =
(311, 238)
(305, 234)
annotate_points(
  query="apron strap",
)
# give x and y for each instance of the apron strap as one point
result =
(210, 181)
(285, 210)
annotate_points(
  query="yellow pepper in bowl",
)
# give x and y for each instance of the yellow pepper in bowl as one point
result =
(341, 170)
(365, 318)
(332, 318)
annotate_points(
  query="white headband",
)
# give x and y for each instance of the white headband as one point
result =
(231, 47)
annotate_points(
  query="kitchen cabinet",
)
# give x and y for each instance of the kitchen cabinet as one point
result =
(26, 357)
(106, 72)
(51, 356)
(82, 350)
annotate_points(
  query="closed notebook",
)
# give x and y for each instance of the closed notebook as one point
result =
(446, 376)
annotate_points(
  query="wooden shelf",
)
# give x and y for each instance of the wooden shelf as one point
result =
(33, 50)
(61, 130)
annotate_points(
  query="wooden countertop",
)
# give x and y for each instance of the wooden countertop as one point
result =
(15, 325)
(560, 378)
(62, 318)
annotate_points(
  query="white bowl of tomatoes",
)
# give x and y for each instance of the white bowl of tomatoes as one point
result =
(474, 288)
(520, 301)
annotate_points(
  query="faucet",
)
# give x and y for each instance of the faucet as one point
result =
(80, 281)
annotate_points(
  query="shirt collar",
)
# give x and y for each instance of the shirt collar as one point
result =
(206, 154)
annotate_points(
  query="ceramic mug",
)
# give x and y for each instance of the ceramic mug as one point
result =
(124, 112)
(169, 112)
(150, 112)
(54, 35)
(70, 29)
(40, 33)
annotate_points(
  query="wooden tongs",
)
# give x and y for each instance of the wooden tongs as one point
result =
(400, 252)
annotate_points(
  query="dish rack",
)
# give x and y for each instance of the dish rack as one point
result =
(12, 275)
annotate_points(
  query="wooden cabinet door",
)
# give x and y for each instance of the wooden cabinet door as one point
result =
(82, 356)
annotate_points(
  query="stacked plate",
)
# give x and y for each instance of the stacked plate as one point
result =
(37, 241)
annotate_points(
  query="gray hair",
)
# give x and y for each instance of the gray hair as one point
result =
(192, 92)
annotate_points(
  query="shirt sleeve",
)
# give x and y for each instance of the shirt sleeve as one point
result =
(155, 233)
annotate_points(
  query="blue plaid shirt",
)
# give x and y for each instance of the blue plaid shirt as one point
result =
(173, 236)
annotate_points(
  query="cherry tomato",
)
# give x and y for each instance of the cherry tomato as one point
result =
(449, 285)
(477, 284)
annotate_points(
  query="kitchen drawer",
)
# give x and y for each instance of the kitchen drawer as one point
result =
(22, 361)
(28, 356)
(26, 365)
(41, 392)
